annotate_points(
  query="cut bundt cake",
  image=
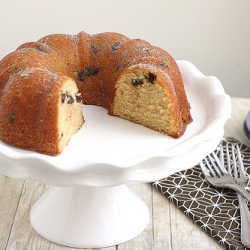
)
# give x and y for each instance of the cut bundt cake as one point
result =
(45, 83)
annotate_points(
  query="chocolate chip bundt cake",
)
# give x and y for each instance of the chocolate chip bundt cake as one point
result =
(45, 83)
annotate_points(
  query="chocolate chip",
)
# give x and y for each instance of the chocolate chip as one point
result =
(88, 71)
(17, 69)
(137, 82)
(163, 64)
(70, 99)
(95, 71)
(78, 97)
(151, 77)
(95, 49)
(12, 118)
(43, 48)
(63, 97)
(116, 46)
(81, 75)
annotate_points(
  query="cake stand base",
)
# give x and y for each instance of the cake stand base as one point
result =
(89, 217)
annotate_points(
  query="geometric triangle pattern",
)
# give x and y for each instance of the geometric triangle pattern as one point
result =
(215, 210)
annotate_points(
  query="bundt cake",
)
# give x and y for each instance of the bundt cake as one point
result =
(45, 83)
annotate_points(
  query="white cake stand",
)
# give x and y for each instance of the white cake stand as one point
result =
(89, 204)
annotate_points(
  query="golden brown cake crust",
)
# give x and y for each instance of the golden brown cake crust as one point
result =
(31, 78)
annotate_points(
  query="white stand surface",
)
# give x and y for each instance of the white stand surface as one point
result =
(89, 217)
(89, 205)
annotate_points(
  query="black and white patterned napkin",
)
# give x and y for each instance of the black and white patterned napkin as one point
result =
(215, 210)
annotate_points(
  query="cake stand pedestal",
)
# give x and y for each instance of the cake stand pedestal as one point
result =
(89, 204)
(89, 217)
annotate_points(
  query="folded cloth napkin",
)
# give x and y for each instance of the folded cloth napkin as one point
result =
(215, 210)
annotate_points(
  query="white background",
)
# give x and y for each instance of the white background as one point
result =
(214, 35)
